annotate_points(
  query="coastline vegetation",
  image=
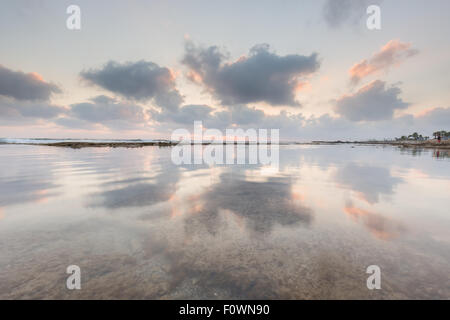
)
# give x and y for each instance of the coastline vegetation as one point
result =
(418, 137)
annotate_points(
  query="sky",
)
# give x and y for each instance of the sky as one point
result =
(141, 69)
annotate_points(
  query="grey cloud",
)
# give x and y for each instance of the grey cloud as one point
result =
(11, 109)
(326, 127)
(25, 86)
(373, 102)
(102, 99)
(184, 115)
(74, 123)
(141, 80)
(105, 111)
(300, 128)
(262, 76)
(437, 118)
(235, 115)
(340, 12)
(243, 115)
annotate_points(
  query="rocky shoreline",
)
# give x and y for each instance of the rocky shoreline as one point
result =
(79, 145)
(430, 144)
(433, 144)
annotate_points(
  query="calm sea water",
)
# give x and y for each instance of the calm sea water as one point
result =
(139, 226)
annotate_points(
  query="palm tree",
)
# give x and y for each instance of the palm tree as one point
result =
(414, 136)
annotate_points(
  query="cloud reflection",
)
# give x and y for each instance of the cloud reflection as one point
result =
(138, 194)
(30, 191)
(368, 181)
(257, 205)
(381, 227)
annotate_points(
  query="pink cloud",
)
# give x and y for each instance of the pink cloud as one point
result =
(391, 54)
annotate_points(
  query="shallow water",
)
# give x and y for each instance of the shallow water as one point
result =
(141, 227)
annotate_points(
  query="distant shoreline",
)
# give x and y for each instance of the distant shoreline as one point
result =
(433, 144)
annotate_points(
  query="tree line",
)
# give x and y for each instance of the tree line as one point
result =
(416, 136)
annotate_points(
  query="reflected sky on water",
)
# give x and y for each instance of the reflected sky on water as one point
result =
(141, 227)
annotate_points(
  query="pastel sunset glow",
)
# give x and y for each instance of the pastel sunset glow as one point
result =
(233, 156)
(142, 71)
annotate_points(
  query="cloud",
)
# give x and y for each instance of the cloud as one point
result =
(340, 12)
(262, 76)
(141, 81)
(25, 86)
(184, 115)
(105, 111)
(295, 126)
(437, 118)
(391, 54)
(243, 115)
(292, 125)
(74, 123)
(239, 115)
(373, 102)
(24, 98)
(13, 110)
